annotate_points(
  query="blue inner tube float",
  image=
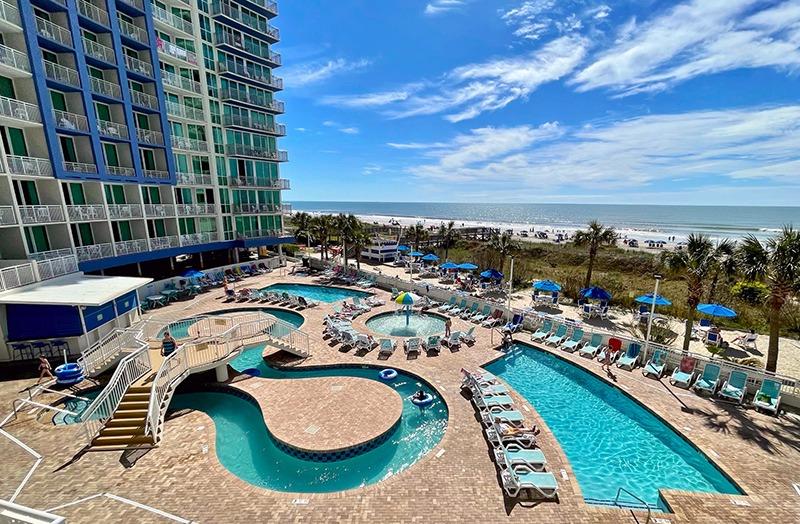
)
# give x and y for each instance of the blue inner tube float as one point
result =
(253, 372)
(68, 374)
(387, 374)
(423, 401)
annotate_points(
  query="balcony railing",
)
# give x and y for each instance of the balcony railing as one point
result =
(195, 179)
(138, 4)
(54, 32)
(198, 238)
(27, 165)
(133, 31)
(159, 210)
(12, 58)
(70, 121)
(164, 242)
(55, 267)
(59, 73)
(181, 82)
(50, 255)
(41, 214)
(254, 152)
(120, 171)
(182, 111)
(12, 108)
(250, 47)
(250, 73)
(260, 233)
(271, 209)
(146, 136)
(189, 144)
(112, 129)
(255, 99)
(10, 13)
(138, 66)
(286, 209)
(144, 100)
(172, 20)
(90, 10)
(104, 87)
(94, 251)
(257, 24)
(80, 167)
(195, 209)
(99, 51)
(175, 51)
(7, 216)
(86, 213)
(122, 211)
(233, 120)
(263, 183)
(129, 247)
(156, 174)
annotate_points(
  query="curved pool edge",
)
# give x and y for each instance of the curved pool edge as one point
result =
(721, 468)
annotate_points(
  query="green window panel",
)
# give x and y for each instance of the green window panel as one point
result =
(36, 238)
(17, 141)
(76, 195)
(59, 100)
(110, 150)
(68, 148)
(26, 192)
(121, 230)
(148, 158)
(103, 111)
(7, 87)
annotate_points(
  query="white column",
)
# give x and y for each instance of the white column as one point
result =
(222, 372)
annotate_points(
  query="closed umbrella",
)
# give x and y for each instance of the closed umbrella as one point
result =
(596, 293)
(648, 299)
(547, 285)
(716, 310)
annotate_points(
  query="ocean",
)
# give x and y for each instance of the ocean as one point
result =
(632, 221)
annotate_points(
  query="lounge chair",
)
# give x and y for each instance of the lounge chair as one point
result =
(365, 342)
(655, 365)
(387, 347)
(735, 388)
(572, 343)
(453, 341)
(467, 313)
(558, 337)
(591, 348)
(495, 319)
(445, 307)
(631, 356)
(708, 380)
(515, 455)
(613, 348)
(515, 324)
(488, 390)
(768, 396)
(746, 341)
(587, 311)
(360, 305)
(494, 401)
(348, 339)
(543, 332)
(395, 292)
(509, 416)
(713, 339)
(683, 375)
(469, 336)
(483, 315)
(499, 436)
(433, 343)
(517, 478)
(413, 345)
(456, 311)
(307, 302)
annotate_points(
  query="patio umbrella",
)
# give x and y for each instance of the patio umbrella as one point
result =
(648, 299)
(416, 254)
(407, 300)
(467, 266)
(448, 265)
(547, 285)
(596, 293)
(492, 274)
(192, 273)
(430, 257)
(716, 310)
(403, 248)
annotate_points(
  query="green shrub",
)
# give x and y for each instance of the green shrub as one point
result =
(750, 291)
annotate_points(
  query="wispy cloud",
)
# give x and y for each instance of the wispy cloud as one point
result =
(371, 169)
(443, 6)
(318, 71)
(348, 130)
(368, 100)
(700, 37)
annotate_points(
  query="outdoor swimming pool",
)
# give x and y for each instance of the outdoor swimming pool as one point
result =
(419, 324)
(610, 439)
(245, 447)
(77, 406)
(318, 293)
(180, 329)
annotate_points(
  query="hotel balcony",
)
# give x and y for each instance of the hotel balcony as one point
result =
(7, 216)
(268, 5)
(245, 22)
(9, 17)
(136, 65)
(41, 214)
(164, 242)
(93, 12)
(159, 210)
(112, 129)
(13, 63)
(138, 4)
(54, 32)
(70, 121)
(156, 174)
(266, 209)
(195, 179)
(194, 239)
(277, 184)
(232, 120)
(129, 247)
(134, 32)
(144, 100)
(82, 168)
(61, 74)
(94, 251)
(40, 256)
(259, 233)
(86, 213)
(239, 70)
(195, 209)
(120, 171)
(105, 88)
(99, 51)
(171, 50)
(177, 81)
(253, 152)
(260, 102)
(256, 50)
(188, 113)
(17, 113)
(123, 211)
(171, 21)
(30, 166)
(189, 144)
(147, 136)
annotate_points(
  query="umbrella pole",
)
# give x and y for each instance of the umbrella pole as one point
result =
(510, 284)
(650, 318)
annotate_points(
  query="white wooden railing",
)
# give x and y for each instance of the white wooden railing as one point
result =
(108, 348)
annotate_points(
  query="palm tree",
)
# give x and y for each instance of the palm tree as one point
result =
(419, 234)
(596, 235)
(777, 261)
(322, 228)
(447, 234)
(303, 222)
(504, 245)
(346, 226)
(695, 262)
(723, 265)
(361, 239)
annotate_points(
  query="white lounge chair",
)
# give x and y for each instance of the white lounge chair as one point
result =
(413, 346)
(518, 478)
(454, 340)
(387, 347)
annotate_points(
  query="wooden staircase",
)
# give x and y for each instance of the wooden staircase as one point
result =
(125, 429)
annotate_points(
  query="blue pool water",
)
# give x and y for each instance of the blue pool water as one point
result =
(610, 439)
(246, 449)
(77, 406)
(318, 293)
(394, 324)
(180, 329)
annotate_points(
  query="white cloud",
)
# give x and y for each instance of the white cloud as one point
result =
(368, 100)
(700, 37)
(442, 6)
(301, 129)
(320, 70)
(371, 169)
(349, 130)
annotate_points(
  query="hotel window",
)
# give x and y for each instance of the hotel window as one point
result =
(115, 194)
(103, 111)
(110, 151)
(14, 141)
(148, 159)
(74, 194)
(156, 228)
(26, 193)
(68, 148)
(121, 229)
(151, 195)
(82, 234)
(36, 239)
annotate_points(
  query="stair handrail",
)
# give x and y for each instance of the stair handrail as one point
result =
(130, 369)
(274, 327)
(106, 347)
(645, 504)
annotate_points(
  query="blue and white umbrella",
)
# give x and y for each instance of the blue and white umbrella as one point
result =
(547, 285)
(648, 299)
(716, 310)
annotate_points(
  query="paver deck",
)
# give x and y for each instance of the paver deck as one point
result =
(456, 482)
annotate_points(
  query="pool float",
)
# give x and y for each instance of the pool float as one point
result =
(253, 372)
(425, 401)
(387, 374)
(69, 374)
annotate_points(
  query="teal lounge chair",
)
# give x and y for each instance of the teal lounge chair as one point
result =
(655, 366)
(469, 336)
(768, 396)
(591, 348)
(543, 332)
(433, 343)
(496, 401)
(574, 341)
(444, 307)
(517, 478)
(488, 390)
(515, 455)
(509, 416)
(483, 315)
(708, 380)
(683, 375)
(557, 337)
(631, 357)
(735, 388)
(473, 309)
(456, 311)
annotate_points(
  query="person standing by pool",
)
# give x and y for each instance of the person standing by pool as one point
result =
(447, 325)
(168, 344)
(44, 369)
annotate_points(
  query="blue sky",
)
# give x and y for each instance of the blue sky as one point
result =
(694, 102)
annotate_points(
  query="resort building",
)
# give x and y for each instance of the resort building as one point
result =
(135, 131)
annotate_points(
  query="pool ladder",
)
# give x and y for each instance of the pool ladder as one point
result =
(641, 505)
(645, 505)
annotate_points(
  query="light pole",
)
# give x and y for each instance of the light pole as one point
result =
(650, 316)
(510, 286)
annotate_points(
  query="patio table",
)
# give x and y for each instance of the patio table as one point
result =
(157, 299)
